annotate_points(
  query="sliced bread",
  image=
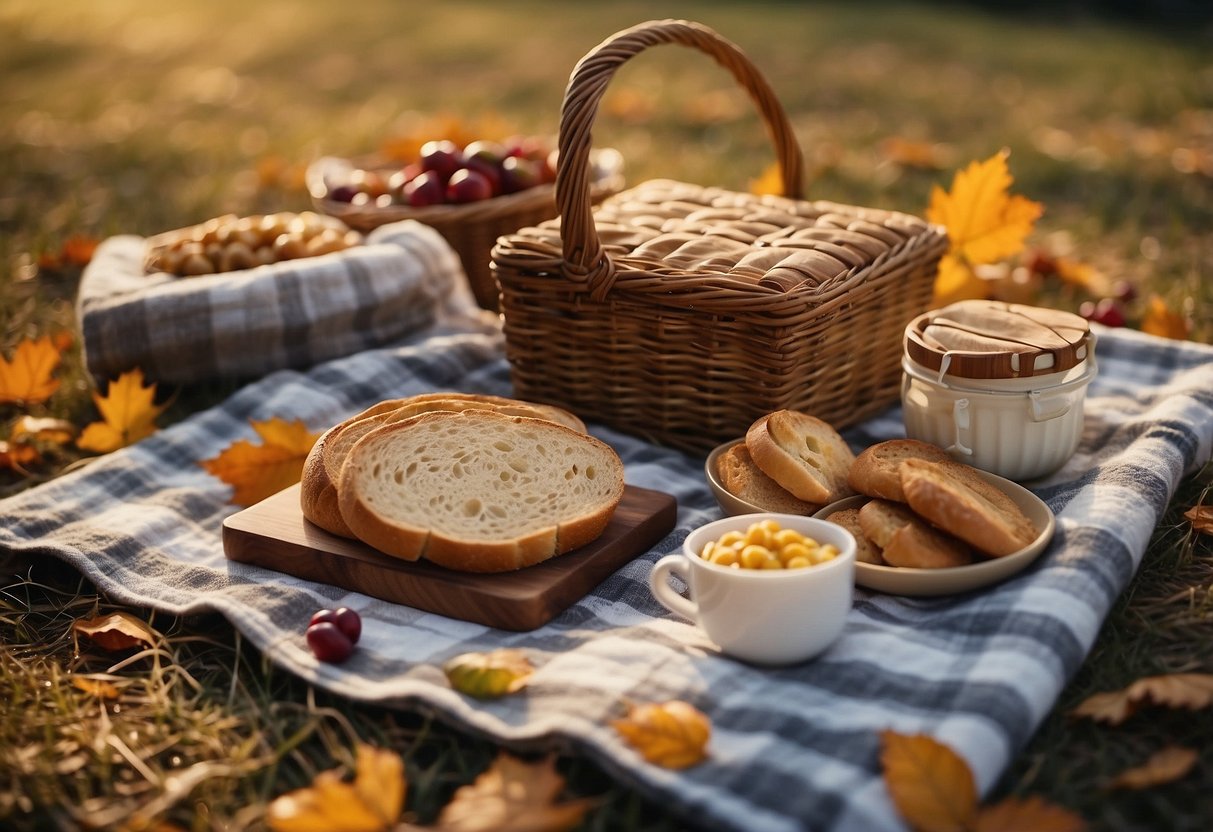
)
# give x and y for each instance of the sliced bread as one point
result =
(876, 471)
(803, 454)
(866, 551)
(907, 540)
(478, 491)
(322, 468)
(957, 499)
(742, 478)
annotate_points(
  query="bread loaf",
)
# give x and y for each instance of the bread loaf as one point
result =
(877, 470)
(322, 468)
(803, 454)
(742, 478)
(478, 491)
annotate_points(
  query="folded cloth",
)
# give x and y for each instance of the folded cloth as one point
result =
(295, 313)
(791, 748)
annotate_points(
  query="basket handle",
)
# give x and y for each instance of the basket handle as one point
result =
(584, 258)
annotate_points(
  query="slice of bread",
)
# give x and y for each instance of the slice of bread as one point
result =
(955, 498)
(322, 467)
(876, 471)
(866, 551)
(742, 478)
(909, 541)
(803, 454)
(478, 491)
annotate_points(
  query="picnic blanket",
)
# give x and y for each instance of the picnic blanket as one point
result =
(792, 748)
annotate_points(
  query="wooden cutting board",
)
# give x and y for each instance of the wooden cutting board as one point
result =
(273, 534)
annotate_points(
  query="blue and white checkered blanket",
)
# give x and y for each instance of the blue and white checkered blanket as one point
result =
(794, 748)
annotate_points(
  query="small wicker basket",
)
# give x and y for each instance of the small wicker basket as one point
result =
(681, 313)
(470, 228)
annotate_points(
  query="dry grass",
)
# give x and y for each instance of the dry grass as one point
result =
(135, 117)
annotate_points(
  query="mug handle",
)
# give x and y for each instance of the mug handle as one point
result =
(659, 582)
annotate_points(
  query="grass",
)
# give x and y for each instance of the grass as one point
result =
(134, 117)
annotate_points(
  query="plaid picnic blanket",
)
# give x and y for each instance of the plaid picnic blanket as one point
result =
(792, 748)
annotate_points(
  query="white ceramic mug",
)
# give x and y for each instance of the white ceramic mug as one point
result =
(768, 616)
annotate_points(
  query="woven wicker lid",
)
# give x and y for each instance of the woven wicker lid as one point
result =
(993, 340)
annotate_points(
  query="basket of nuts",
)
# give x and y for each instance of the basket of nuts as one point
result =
(471, 194)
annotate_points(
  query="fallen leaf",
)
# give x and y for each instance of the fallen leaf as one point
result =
(17, 456)
(629, 105)
(63, 340)
(372, 803)
(116, 631)
(99, 688)
(489, 675)
(1081, 275)
(1165, 766)
(1201, 518)
(29, 429)
(257, 471)
(910, 153)
(1161, 320)
(1192, 691)
(670, 734)
(26, 378)
(512, 795)
(957, 281)
(1015, 815)
(128, 412)
(769, 182)
(78, 250)
(931, 785)
(985, 222)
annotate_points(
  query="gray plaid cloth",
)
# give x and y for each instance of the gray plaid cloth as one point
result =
(792, 748)
(243, 324)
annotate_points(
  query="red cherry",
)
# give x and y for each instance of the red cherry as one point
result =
(1107, 311)
(345, 619)
(428, 188)
(442, 157)
(328, 643)
(468, 186)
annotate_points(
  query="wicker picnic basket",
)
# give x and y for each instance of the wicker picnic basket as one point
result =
(681, 313)
(470, 228)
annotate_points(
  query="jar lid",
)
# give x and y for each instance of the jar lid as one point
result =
(991, 339)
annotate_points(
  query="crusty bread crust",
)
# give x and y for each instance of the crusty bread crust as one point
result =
(866, 551)
(322, 468)
(876, 471)
(955, 498)
(907, 540)
(742, 478)
(803, 454)
(467, 552)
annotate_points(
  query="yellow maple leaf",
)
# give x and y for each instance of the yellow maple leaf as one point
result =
(128, 413)
(372, 803)
(931, 785)
(26, 378)
(770, 182)
(512, 795)
(670, 734)
(1162, 321)
(489, 675)
(257, 471)
(957, 281)
(985, 222)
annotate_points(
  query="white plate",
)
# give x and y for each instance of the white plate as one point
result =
(898, 580)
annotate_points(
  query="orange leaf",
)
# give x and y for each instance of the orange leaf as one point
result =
(770, 182)
(1081, 275)
(57, 431)
(78, 250)
(931, 785)
(1201, 518)
(99, 688)
(670, 734)
(16, 456)
(985, 222)
(1165, 766)
(912, 154)
(512, 795)
(1162, 321)
(958, 281)
(489, 675)
(116, 631)
(26, 379)
(128, 413)
(257, 471)
(371, 804)
(1014, 815)
(1192, 691)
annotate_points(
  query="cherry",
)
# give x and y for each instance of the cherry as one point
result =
(1107, 311)
(518, 174)
(343, 193)
(427, 188)
(1124, 291)
(345, 619)
(467, 185)
(328, 643)
(441, 157)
